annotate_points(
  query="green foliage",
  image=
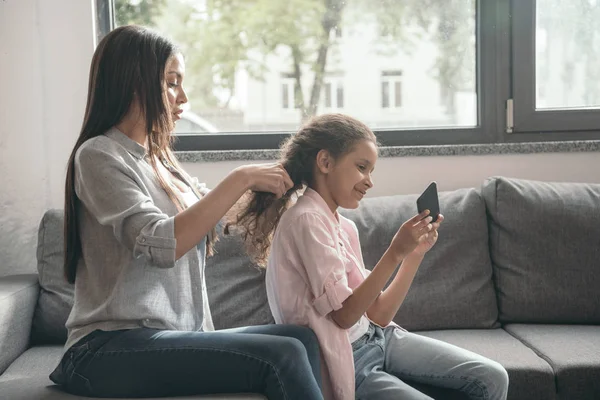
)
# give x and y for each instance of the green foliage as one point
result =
(140, 12)
(219, 37)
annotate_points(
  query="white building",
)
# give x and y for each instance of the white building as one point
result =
(367, 76)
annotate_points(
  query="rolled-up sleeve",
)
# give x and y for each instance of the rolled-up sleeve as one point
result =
(324, 268)
(108, 189)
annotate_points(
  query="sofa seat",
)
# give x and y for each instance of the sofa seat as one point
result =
(27, 379)
(530, 376)
(573, 352)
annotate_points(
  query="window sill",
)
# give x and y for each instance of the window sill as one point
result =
(410, 151)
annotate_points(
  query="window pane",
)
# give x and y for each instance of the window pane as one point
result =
(567, 54)
(328, 95)
(340, 95)
(296, 101)
(398, 94)
(385, 94)
(236, 56)
(285, 96)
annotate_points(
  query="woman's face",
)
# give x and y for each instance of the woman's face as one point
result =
(174, 74)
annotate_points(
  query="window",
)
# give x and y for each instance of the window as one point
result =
(333, 91)
(472, 71)
(391, 89)
(557, 79)
(288, 94)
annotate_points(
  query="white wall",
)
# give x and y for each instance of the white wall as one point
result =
(45, 51)
(408, 175)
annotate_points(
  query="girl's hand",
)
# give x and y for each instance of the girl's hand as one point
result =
(409, 235)
(427, 241)
(272, 178)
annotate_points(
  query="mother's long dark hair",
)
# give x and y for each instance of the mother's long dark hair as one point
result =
(258, 214)
(128, 64)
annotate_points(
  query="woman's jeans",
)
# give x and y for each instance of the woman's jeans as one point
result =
(278, 361)
(384, 358)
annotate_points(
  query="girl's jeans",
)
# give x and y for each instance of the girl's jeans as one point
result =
(385, 357)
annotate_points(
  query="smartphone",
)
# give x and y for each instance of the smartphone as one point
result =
(429, 201)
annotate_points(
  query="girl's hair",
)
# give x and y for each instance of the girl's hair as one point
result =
(256, 216)
(128, 64)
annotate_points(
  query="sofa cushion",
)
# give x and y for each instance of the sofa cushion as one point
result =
(27, 379)
(573, 352)
(453, 288)
(18, 297)
(545, 250)
(530, 377)
(236, 287)
(56, 294)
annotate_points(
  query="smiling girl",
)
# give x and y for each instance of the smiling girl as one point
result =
(316, 276)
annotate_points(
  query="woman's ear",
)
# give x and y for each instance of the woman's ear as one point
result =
(324, 161)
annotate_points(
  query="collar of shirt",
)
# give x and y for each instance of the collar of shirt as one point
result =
(314, 195)
(133, 147)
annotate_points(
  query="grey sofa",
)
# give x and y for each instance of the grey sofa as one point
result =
(515, 276)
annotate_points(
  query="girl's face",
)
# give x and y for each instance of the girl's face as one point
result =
(174, 74)
(349, 177)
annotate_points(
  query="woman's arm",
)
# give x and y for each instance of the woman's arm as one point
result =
(109, 189)
(192, 224)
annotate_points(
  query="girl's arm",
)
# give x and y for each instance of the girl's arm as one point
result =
(365, 294)
(404, 242)
(385, 307)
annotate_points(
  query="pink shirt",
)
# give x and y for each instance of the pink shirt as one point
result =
(314, 264)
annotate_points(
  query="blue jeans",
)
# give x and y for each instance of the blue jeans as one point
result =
(385, 358)
(278, 361)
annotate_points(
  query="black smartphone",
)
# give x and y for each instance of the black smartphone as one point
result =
(429, 201)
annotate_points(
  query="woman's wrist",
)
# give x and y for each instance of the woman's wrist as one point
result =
(242, 177)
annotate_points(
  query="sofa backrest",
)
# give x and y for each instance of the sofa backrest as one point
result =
(545, 250)
(56, 294)
(236, 287)
(453, 288)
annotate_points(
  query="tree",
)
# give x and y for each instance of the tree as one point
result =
(237, 33)
(221, 37)
(452, 26)
(141, 12)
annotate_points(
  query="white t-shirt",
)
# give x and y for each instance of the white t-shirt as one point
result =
(358, 329)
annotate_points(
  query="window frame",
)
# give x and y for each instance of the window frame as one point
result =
(526, 118)
(498, 84)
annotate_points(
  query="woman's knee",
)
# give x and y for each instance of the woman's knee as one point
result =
(304, 334)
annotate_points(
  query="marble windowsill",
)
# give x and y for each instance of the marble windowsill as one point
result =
(411, 151)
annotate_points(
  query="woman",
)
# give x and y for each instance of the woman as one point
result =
(137, 229)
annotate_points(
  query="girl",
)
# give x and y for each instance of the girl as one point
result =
(136, 233)
(316, 276)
